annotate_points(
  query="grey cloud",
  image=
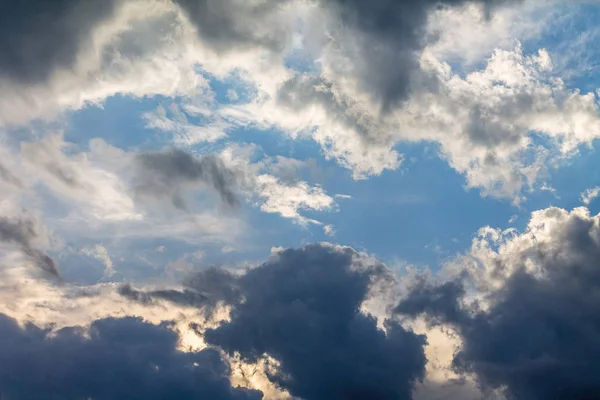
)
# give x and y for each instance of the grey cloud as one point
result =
(46, 154)
(302, 307)
(304, 90)
(39, 36)
(203, 289)
(121, 359)
(22, 231)
(168, 173)
(386, 37)
(236, 24)
(540, 335)
(184, 297)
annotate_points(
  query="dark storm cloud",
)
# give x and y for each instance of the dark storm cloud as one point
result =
(303, 309)
(540, 336)
(22, 231)
(39, 36)
(168, 173)
(121, 359)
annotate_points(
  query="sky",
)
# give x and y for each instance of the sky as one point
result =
(299, 199)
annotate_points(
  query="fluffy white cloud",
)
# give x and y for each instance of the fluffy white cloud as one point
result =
(589, 195)
(287, 197)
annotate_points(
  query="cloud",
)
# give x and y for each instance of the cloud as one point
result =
(100, 253)
(168, 173)
(71, 53)
(267, 184)
(113, 358)
(7, 176)
(39, 37)
(589, 195)
(182, 130)
(377, 37)
(203, 289)
(532, 330)
(302, 309)
(232, 25)
(23, 231)
(95, 179)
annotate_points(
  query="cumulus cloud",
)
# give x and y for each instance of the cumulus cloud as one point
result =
(113, 358)
(377, 37)
(302, 309)
(532, 330)
(339, 104)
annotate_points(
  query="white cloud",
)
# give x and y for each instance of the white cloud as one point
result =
(512, 250)
(484, 121)
(329, 230)
(589, 195)
(93, 179)
(100, 253)
(271, 194)
(184, 132)
(227, 249)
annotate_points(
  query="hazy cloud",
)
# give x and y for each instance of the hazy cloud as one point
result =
(169, 173)
(22, 231)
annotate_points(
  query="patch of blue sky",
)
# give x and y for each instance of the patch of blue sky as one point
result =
(421, 213)
(117, 121)
(571, 179)
(570, 41)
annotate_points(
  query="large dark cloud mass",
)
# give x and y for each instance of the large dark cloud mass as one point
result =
(38, 36)
(302, 308)
(121, 359)
(168, 173)
(540, 335)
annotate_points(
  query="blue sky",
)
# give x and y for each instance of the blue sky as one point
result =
(155, 144)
